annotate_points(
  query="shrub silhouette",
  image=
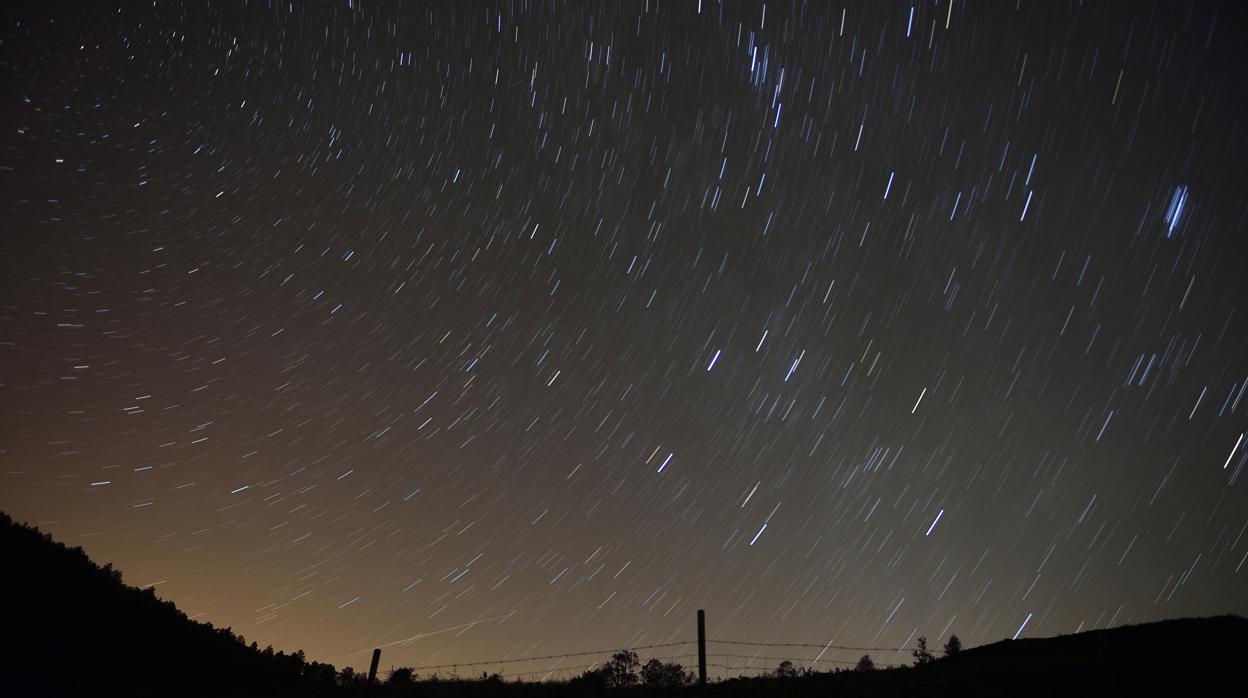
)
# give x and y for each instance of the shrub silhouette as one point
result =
(590, 681)
(921, 654)
(347, 678)
(657, 674)
(400, 678)
(785, 670)
(621, 670)
(953, 646)
(865, 664)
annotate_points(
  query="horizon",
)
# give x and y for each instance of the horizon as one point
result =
(484, 331)
(745, 667)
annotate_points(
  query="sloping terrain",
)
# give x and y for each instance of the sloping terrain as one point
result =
(74, 629)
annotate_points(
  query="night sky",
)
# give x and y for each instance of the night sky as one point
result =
(480, 330)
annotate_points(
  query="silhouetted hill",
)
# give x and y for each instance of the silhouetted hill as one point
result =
(1191, 656)
(73, 629)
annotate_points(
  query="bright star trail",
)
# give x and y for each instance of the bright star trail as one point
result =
(479, 330)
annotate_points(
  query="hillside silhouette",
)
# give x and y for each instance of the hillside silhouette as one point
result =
(1191, 656)
(74, 629)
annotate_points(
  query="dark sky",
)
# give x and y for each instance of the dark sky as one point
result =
(477, 330)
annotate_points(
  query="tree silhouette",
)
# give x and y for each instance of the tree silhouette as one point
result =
(321, 674)
(591, 680)
(621, 669)
(400, 678)
(347, 678)
(953, 646)
(657, 674)
(785, 670)
(921, 654)
(865, 664)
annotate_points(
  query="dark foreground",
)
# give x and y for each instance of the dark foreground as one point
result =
(78, 631)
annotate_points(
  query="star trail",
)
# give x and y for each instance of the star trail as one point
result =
(493, 330)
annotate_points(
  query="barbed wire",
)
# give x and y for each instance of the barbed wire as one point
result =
(813, 645)
(743, 643)
(547, 672)
(563, 655)
(717, 665)
(785, 659)
(733, 667)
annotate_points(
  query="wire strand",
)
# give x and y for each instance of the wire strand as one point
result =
(585, 653)
(742, 643)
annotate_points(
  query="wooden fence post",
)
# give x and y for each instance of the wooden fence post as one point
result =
(372, 672)
(701, 647)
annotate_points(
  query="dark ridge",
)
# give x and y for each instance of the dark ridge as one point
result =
(76, 630)
(1184, 657)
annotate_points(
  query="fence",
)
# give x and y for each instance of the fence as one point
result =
(731, 661)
